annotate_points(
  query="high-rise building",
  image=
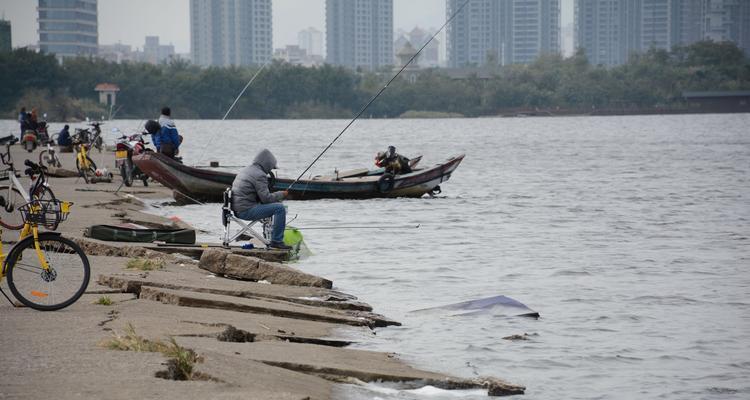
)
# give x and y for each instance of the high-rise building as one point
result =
(535, 29)
(68, 28)
(311, 40)
(230, 32)
(5, 37)
(727, 20)
(687, 23)
(359, 33)
(608, 30)
(611, 30)
(502, 31)
(656, 20)
(479, 34)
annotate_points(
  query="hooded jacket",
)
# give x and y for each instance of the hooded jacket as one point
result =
(167, 134)
(250, 187)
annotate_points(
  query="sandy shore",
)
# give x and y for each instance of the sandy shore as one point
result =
(250, 340)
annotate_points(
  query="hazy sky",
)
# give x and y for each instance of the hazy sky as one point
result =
(129, 21)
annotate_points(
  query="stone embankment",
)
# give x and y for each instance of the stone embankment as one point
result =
(231, 324)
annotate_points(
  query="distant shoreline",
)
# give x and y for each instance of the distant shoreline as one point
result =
(438, 116)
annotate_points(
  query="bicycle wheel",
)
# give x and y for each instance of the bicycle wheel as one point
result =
(49, 158)
(44, 158)
(47, 290)
(126, 171)
(10, 217)
(86, 173)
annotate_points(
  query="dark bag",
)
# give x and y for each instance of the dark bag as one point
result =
(167, 149)
(113, 233)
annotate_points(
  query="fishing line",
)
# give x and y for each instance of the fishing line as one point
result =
(234, 103)
(372, 100)
(356, 227)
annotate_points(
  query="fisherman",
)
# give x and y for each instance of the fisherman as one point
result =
(168, 140)
(252, 200)
(63, 138)
(393, 162)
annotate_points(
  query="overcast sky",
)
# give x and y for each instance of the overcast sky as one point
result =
(129, 21)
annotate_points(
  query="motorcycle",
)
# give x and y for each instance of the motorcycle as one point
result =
(34, 137)
(29, 140)
(125, 149)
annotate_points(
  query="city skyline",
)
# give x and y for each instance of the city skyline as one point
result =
(117, 20)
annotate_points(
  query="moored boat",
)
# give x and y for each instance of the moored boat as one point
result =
(190, 184)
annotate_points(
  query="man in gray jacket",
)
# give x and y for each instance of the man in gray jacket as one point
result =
(252, 200)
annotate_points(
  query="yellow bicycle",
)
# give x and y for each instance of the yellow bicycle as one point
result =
(84, 164)
(45, 270)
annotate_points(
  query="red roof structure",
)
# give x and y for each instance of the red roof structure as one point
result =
(107, 87)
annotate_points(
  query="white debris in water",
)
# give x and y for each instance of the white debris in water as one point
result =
(392, 391)
(312, 298)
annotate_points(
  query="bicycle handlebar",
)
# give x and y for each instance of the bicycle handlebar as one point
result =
(34, 168)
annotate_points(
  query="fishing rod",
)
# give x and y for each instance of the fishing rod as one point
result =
(372, 100)
(356, 227)
(250, 82)
(236, 99)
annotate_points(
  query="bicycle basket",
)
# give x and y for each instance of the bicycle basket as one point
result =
(47, 213)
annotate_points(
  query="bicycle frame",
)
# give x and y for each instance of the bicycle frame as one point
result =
(28, 230)
(12, 179)
(81, 155)
(14, 182)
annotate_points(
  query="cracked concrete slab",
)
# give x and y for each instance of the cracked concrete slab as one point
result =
(271, 307)
(207, 283)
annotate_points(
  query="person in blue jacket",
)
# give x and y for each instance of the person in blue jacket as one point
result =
(63, 138)
(168, 140)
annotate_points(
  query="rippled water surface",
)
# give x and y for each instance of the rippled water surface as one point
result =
(629, 235)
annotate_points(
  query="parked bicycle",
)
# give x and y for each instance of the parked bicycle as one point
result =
(48, 156)
(45, 270)
(13, 193)
(84, 164)
(91, 136)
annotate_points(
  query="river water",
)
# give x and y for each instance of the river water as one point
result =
(629, 235)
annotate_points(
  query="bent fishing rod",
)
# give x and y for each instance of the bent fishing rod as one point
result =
(372, 100)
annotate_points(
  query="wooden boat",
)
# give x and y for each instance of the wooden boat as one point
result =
(205, 185)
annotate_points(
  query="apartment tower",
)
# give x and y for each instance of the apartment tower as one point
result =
(68, 28)
(359, 33)
(231, 32)
(488, 32)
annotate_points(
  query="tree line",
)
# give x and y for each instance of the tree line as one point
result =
(656, 78)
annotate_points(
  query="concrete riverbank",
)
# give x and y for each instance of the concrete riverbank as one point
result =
(190, 325)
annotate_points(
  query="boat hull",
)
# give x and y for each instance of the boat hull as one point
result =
(196, 184)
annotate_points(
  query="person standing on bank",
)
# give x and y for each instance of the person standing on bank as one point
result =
(168, 140)
(23, 120)
(252, 200)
